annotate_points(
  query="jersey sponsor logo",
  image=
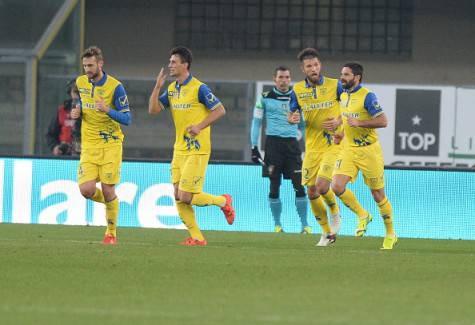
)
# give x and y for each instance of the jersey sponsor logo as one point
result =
(417, 122)
(305, 95)
(181, 106)
(349, 114)
(173, 93)
(316, 106)
(124, 101)
(84, 91)
(376, 105)
(211, 98)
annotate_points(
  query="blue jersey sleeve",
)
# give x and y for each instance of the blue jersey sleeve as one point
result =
(122, 112)
(121, 101)
(122, 117)
(164, 99)
(294, 104)
(207, 98)
(339, 90)
(371, 105)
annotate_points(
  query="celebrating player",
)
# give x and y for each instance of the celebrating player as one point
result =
(317, 98)
(361, 116)
(194, 108)
(103, 106)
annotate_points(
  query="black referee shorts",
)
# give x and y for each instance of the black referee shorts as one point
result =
(282, 157)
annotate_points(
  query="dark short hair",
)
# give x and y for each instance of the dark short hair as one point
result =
(356, 69)
(308, 53)
(93, 51)
(280, 68)
(184, 54)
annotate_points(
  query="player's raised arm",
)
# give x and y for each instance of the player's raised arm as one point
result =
(155, 105)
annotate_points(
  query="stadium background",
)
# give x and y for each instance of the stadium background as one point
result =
(421, 46)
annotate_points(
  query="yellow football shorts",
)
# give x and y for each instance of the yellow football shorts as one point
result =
(189, 171)
(368, 159)
(100, 164)
(319, 164)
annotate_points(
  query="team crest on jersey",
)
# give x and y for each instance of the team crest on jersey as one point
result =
(323, 91)
(101, 92)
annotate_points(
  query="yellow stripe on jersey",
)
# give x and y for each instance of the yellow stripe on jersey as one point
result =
(318, 104)
(98, 130)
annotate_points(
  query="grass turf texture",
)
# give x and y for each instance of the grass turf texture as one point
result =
(64, 275)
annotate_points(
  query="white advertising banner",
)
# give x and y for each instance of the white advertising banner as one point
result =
(428, 125)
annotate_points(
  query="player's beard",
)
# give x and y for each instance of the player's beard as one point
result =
(314, 78)
(348, 84)
(93, 76)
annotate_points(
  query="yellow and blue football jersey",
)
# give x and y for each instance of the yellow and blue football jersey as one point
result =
(360, 104)
(317, 103)
(98, 129)
(190, 103)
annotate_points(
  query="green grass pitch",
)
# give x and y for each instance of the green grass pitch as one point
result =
(64, 275)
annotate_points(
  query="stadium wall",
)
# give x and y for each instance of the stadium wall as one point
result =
(434, 204)
(142, 35)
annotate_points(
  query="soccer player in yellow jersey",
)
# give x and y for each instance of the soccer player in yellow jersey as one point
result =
(317, 98)
(194, 108)
(103, 107)
(361, 115)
